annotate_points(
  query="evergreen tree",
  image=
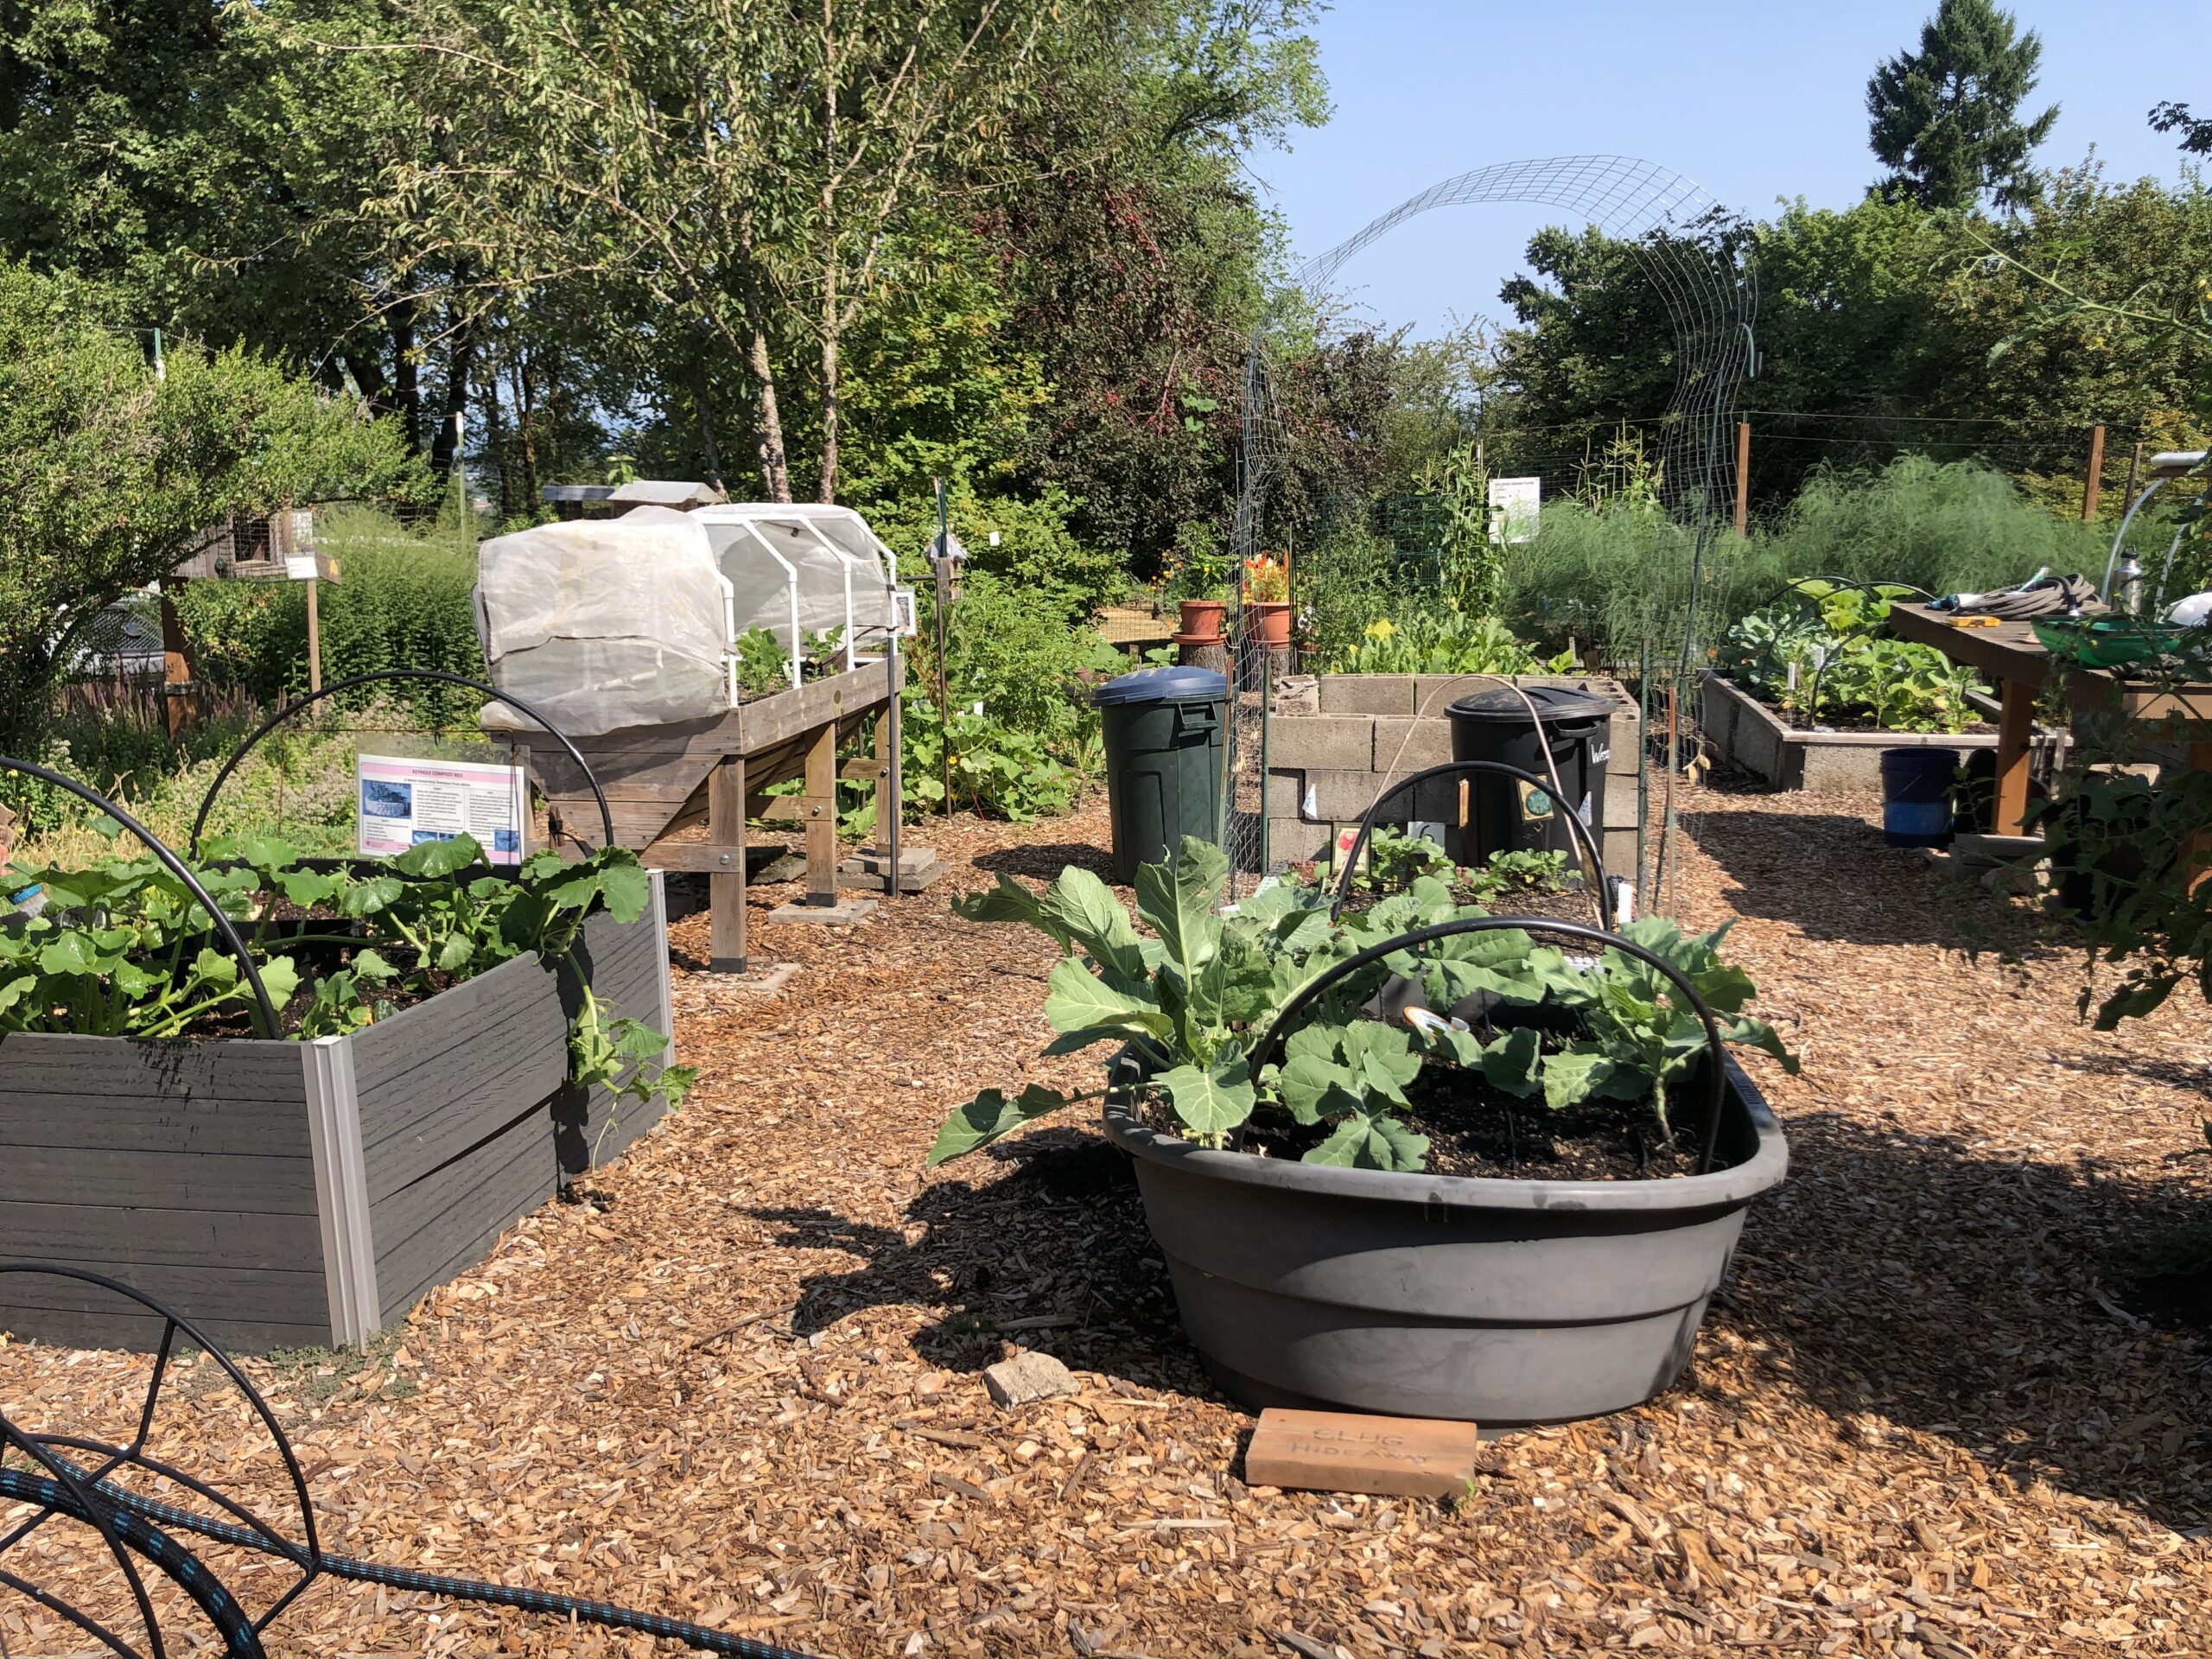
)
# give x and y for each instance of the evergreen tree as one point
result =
(1946, 119)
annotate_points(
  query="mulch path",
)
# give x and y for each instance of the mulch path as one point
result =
(739, 1381)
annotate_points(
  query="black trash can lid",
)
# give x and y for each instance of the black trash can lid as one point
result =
(1170, 682)
(1553, 702)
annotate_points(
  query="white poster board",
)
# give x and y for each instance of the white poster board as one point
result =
(1513, 507)
(400, 803)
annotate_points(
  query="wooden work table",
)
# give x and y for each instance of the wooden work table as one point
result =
(2009, 654)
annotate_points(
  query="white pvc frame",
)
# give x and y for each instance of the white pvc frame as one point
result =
(791, 581)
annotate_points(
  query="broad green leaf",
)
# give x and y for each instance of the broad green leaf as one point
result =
(1575, 1075)
(1178, 899)
(1317, 1090)
(1372, 1143)
(1083, 908)
(215, 967)
(69, 952)
(989, 1115)
(13, 991)
(635, 1039)
(1210, 1101)
(372, 968)
(370, 895)
(456, 953)
(269, 853)
(440, 858)
(281, 979)
(306, 889)
(627, 889)
(1756, 1033)
(1077, 999)
(1511, 1064)
(1009, 901)
(1383, 1055)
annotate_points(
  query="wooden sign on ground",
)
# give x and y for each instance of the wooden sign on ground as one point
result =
(1348, 1452)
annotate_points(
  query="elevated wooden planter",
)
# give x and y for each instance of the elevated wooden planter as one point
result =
(289, 1194)
(1752, 739)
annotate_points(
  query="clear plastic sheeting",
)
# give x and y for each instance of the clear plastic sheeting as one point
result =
(802, 571)
(603, 624)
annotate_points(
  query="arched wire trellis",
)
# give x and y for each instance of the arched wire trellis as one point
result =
(1676, 231)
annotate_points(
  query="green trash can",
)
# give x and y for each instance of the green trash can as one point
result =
(1163, 730)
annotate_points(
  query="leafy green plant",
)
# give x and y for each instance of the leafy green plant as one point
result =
(123, 949)
(1194, 999)
(764, 667)
(1436, 639)
(1819, 648)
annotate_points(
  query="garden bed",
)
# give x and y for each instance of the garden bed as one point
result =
(296, 1193)
(741, 1381)
(1751, 738)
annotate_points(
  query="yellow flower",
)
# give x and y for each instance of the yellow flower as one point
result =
(1381, 628)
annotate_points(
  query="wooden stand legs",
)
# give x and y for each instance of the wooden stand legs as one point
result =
(2015, 722)
(726, 889)
(819, 804)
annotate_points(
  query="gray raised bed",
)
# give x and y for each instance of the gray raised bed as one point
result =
(1494, 1301)
(1752, 738)
(283, 1194)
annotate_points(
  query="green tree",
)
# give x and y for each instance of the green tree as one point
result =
(2196, 131)
(1946, 119)
(107, 473)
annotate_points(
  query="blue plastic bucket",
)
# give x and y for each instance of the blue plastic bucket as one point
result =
(1916, 797)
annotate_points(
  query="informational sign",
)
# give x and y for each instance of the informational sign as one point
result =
(403, 803)
(1513, 507)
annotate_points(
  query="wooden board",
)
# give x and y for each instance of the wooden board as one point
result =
(1349, 1451)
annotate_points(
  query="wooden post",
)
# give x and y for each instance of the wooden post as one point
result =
(820, 805)
(314, 638)
(2093, 480)
(2015, 721)
(726, 889)
(1743, 477)
(180, 671)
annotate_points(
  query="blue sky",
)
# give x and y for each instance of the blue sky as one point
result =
(1752, 101)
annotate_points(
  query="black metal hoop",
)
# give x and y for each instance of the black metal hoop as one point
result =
(208, 801)
(175, 867)
(1390, 791)
(1716, 1091)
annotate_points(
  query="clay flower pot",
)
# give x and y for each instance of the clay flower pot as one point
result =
(1269, 622)
(1201, 620)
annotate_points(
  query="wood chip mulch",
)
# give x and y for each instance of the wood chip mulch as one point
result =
(739, 1381)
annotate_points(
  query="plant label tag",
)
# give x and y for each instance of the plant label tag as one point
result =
(1349, 1451)
(1342, 849)
(1535, 804)
(401, 802)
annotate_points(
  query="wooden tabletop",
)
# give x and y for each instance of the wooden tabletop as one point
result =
(2008, 652)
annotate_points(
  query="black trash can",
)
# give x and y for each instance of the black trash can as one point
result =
(1505, 814)
(1162, 728)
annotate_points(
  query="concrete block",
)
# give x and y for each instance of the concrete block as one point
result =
(1404, 746)
(1296, 694)
(1367, 693)
(1297, 840)
(1618, 847)
(1623, 739)
(1620, 801)
(1285, 789)
(1322, 743)
(1434, 693)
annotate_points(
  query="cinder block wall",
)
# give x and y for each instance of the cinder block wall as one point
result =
(1325, 767)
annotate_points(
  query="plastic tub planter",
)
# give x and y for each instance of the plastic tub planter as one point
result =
(1496, 1301)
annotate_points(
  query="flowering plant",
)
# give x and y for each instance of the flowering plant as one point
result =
(1266, 580)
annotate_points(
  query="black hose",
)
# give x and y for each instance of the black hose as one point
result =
(240, 1640)
(27, 1488)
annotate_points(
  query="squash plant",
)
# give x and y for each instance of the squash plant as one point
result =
(122, 947)
(1195, 997)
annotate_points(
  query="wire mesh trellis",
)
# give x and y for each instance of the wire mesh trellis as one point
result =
(1679, 237)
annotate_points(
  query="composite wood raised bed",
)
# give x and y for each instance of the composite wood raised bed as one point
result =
(287, 1194)
(1753, 739)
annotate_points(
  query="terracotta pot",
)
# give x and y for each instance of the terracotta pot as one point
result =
(1269, 621)
(1201, 619)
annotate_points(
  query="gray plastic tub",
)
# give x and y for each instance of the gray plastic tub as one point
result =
(1494, 1301)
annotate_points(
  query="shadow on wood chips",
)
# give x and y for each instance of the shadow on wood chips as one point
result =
(1061, 1229)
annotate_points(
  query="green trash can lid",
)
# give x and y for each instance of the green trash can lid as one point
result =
(1169, 682)
(1553, 702)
